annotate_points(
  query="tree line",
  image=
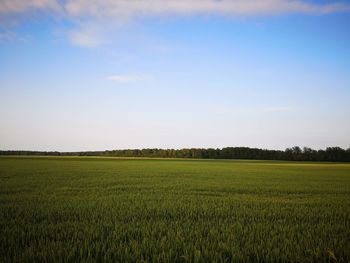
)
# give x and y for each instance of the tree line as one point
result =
(330, 154)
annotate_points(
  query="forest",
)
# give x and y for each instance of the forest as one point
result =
(330, 154)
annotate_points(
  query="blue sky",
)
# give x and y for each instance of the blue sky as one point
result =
(269, 74)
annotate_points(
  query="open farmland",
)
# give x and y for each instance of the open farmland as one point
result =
(134, 210)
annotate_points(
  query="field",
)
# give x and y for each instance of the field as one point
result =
(136, 210)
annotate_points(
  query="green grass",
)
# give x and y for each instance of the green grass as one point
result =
(133, 210)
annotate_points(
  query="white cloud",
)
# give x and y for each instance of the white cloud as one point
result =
(127, 78)
(121, 9)
(9, 7)
(125, 9)
(88, 35)
(90, 17)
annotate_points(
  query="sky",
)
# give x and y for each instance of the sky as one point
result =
(80, 75)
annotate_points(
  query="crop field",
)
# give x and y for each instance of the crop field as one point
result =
(71, 209)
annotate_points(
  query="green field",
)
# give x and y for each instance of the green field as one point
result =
(136, 210)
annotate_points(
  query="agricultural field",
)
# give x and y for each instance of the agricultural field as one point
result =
(70, 209)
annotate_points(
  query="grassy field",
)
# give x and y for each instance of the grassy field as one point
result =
(132, 210)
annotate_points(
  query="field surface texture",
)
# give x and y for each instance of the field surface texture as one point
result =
(139, 210)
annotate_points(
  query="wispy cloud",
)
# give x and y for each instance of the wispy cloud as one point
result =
(126, 9)
(10, 7)
(91, 16)
(122, 9)
(127, 78)
(87, 35)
